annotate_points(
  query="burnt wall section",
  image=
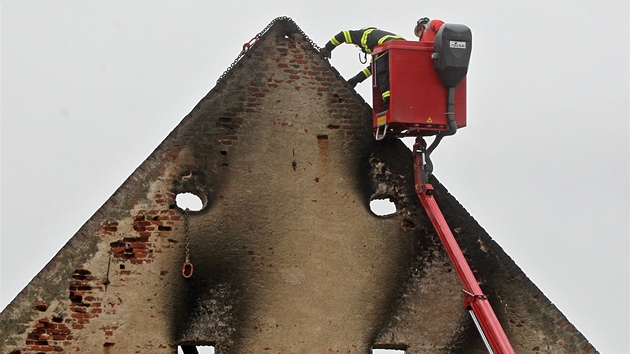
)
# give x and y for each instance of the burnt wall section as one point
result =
(287, 255)
(532, 323)
(94, 304)
(85, 290)
(429, 317)
(289, 248)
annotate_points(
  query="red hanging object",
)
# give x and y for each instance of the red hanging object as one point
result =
(187, 270)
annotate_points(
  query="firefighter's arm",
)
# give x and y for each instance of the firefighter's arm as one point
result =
(360, 77)
(341, 37)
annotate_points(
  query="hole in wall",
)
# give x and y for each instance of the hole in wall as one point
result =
(195, 349)
(383, 206)
(189, 200)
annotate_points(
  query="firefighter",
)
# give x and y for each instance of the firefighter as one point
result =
(366, 39)
(426, 29)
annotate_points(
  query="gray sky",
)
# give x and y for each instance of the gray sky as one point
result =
(90, 88)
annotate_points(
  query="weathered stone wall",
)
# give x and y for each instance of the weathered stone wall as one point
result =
(287, 256)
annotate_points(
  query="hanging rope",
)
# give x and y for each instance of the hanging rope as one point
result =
(187, 268)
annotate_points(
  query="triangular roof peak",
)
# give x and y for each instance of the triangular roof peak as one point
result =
(283, 25)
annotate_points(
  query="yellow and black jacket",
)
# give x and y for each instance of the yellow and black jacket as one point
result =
(366, 39)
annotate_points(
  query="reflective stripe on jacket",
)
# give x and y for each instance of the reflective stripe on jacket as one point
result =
(366, 38)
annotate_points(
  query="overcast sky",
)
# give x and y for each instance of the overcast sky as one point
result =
(90, 88)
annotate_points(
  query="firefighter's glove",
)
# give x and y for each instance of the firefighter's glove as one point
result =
(326, 53)
(354, 81)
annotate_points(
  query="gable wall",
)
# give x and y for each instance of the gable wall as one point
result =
(288, 258)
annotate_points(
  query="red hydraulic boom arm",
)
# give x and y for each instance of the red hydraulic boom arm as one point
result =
(475, 301)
